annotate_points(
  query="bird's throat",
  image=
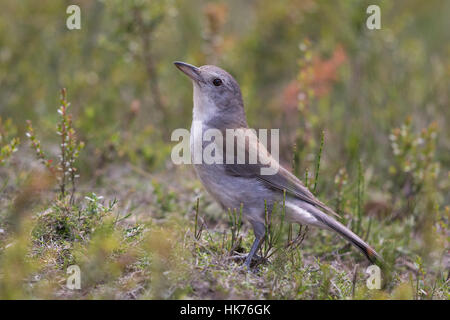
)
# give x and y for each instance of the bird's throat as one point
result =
(204, 108)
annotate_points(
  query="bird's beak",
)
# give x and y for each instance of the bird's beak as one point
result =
(192, 71)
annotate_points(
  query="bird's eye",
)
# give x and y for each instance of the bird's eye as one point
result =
(217, 82)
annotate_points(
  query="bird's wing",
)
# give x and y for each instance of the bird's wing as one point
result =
(281, 180)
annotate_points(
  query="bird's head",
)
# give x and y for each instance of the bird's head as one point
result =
(217, 95)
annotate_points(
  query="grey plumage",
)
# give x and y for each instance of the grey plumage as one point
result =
(220, 106)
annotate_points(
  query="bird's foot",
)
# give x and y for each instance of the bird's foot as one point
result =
(255, 261)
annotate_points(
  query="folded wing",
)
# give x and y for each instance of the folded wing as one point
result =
(282, 180)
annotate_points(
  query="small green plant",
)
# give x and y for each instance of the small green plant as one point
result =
(420, 277)
(294, 243)
(340, 182)
(198, 229)
(164, 198)
(414, 164)
(274, 226)
(302, 232)
(8, 144)
(322, 138)
(304, 142)
(69, 149)
(360, 199)
(235, 221)
(414, 153)
(63, 222)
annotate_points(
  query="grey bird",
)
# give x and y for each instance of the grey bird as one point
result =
(218, 105)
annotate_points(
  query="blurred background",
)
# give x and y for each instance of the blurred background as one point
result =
(354, 83)
(309, 67)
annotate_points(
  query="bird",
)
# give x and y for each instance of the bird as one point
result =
(218, 105)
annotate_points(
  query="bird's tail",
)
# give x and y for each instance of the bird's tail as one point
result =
(329, 222)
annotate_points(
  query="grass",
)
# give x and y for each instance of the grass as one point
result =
(151, 257)
(366, 117)
(127, 249)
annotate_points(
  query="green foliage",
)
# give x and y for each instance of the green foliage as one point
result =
(64, 222)
(235, 223)
(307, 67)
(165, 199)
(69, 149)
(8, 145)
(274, 227)
(414, 156)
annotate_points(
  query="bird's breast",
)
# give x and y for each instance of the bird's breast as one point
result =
(230, 191)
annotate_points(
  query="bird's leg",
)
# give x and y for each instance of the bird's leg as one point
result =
(254, 249)
(258, 230)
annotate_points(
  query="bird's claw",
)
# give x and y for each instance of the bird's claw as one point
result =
(255, 261)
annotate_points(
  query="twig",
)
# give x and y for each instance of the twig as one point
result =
(318, 161)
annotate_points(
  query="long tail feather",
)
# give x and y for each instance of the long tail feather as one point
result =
(338, 227)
